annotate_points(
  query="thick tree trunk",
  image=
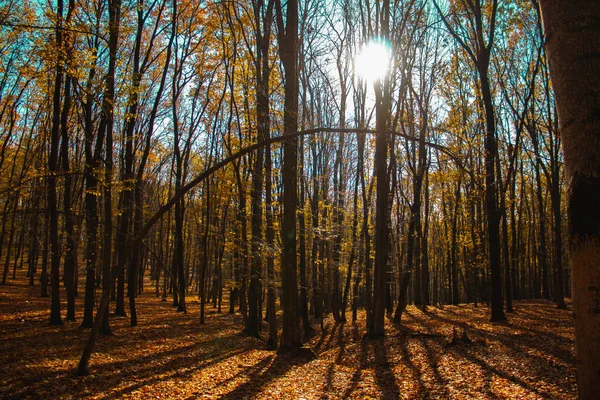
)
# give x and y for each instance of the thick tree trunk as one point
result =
(11, 238)
(573, 47)
(288, 50)
(383, 106)
(505, 252)
(491, 195)
(338, 221)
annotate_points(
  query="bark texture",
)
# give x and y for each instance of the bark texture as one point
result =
(572, 30)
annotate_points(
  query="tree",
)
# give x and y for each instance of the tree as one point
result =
(382, 106)
(92, 161)
(573, 47)
(288, 52)
(482, 15)
(106, 125)
(419, 211)
(70, 262)
(263, 17)
(55, 318)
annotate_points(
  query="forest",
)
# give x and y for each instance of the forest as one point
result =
(299, 199)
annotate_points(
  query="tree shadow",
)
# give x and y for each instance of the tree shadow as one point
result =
(152, 375)
(491, 370)
(182, 362)
(524, 342)
(363, 361)
(49, 355)
(341, 345)
(327, 338)
(432, 360)
(384, 375)
(407, 361)
(528, 343)
(263, 373)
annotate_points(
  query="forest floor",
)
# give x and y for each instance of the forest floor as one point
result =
(171, 355)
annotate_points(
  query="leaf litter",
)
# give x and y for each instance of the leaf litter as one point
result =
(171, 355)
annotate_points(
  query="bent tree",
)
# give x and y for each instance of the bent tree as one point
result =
(136, 241)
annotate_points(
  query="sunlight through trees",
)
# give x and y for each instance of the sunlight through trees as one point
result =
(291, 161)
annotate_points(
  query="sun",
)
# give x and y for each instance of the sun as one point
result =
(373, 60)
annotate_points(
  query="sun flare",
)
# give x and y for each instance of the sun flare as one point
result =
(373, 61)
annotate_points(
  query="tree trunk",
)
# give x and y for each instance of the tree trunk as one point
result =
(288, 50)
(263, 37)
(573, 47)
(270, 237)
(55, 317)
(383, 105)
(107, 125)
(90, 204)
(205, 254)
(491, 196)
(69, 259)
(302, 248)
(317, 302)
(102, 314)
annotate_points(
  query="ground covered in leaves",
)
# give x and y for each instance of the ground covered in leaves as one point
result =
(170, 355)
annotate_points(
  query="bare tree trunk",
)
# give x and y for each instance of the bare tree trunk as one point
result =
(263, 36)
(383, 105)
(317, 300)
(270, 237)
(365, 230)
(288, 50)
(102, 314)
(45, 254)
(302, 248)
(351, 260)
(425, 274)
(205, 254)
(573, 45)
(70, 261)
(55, 317)
(90, 202)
